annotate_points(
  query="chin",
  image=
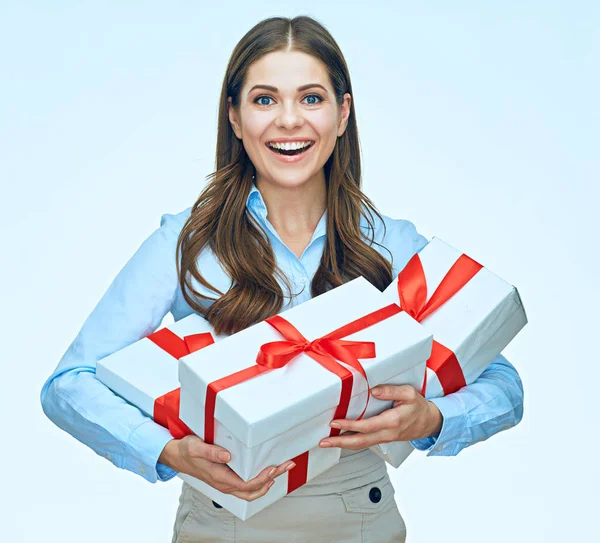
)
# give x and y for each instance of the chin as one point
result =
(290, 180)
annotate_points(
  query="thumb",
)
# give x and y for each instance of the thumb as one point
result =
(197, 448)
(405, 393)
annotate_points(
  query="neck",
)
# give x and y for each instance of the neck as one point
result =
(294, 210)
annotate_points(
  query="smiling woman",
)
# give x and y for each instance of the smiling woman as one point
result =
(287, 127)
(281, 220)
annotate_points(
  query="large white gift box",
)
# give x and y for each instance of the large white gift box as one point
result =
(270, 417)
(146, 371)
(470, 329)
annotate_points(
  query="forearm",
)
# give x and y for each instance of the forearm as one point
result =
(116, 430)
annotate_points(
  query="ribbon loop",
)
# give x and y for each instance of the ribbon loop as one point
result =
(412, 292)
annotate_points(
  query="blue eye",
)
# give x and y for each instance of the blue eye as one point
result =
(313, 96)
(262, 98)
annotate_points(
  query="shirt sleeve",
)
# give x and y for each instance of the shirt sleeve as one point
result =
(492, 403)
(133, 306)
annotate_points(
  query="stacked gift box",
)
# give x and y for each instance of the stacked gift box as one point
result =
(268, 393)
(472, 314)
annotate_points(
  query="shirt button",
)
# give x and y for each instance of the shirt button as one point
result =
(375, 495)
(217, 505)
(142, 469)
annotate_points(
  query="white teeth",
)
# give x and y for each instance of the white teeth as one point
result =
(289, 146)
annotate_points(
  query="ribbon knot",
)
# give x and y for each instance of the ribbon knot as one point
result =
(277, 354)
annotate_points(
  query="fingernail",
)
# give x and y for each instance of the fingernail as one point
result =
(291, 466)
(271, 483)
(335, 425)
(325, 444)
(222, 455)
(376, 391)
(272, 472)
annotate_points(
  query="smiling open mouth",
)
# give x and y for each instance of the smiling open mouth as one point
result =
(290, 149)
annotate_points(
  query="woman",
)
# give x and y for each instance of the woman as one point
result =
(281, 220)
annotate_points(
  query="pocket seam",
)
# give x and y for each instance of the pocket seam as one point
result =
(368, 507)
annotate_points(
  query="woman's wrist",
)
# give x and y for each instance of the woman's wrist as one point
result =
(169, 454)
(436, 419)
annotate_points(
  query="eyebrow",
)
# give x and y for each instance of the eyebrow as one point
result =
(275, 89)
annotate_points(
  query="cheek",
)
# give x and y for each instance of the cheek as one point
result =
(253, 126)
(325, 123)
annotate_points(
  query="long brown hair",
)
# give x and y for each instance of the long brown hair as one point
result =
(220, 221)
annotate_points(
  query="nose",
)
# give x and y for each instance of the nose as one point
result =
(289, 116)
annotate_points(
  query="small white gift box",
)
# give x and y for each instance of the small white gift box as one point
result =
(470, 329)
(270, 417)
(145, 373)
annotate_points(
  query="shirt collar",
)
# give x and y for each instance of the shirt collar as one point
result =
(255, 200)
(255, 203)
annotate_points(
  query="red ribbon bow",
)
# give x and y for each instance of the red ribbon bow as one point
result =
(166, 407)
(412, 291)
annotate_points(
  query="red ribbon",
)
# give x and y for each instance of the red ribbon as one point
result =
(326, 351)
(166, 407)
(412, 291)
(299, 474)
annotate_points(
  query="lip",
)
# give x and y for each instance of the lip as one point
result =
(291, 158)
(289, 140)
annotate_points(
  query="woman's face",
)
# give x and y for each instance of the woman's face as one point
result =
(288, 118)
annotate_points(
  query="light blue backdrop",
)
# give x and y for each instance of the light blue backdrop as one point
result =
(478, 121)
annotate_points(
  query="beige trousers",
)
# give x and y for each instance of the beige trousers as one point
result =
(352, 502)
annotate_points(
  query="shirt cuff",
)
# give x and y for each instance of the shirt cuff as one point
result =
(451, 439)
(145, 444)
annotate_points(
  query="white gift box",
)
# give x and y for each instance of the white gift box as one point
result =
(281, 413)
(477, 323)
(142, 372)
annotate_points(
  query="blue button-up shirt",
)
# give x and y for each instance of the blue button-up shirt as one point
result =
(147, 288)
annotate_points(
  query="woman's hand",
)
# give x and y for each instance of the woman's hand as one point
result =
(207, 462)
(411, 417)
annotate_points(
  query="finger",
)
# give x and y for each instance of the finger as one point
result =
(387, 419)
(224, 479)
(197, 448)
(251, 496)
(402, 393)
(282, 468)
(264, 477)
(357, 441)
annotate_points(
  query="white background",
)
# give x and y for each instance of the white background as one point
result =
(478, 122)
